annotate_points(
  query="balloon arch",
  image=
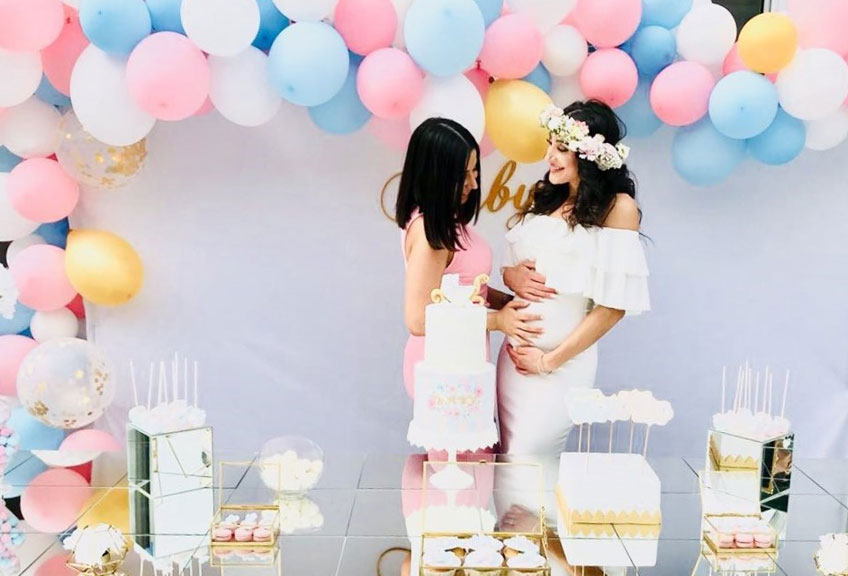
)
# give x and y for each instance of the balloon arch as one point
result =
(83, 82)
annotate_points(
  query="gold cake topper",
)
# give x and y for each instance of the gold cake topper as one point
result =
(437, 296)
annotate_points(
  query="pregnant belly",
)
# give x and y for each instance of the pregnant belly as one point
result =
(560, 315)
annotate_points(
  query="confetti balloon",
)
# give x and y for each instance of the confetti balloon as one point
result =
(93, 163)
(66, 383)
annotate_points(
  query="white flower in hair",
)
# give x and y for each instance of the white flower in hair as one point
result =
(575, 135)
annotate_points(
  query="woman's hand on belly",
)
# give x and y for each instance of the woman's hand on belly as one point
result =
(528, 360)
(526, 282)
(518, 324)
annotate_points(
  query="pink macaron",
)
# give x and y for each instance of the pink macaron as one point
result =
(244, 535)
(222, 535)
(744, 540)
(725, 540)
(262, 535)
(763, 540)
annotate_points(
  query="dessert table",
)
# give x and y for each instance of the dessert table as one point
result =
(360, 528)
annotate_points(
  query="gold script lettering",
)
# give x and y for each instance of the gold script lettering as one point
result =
(499, 196)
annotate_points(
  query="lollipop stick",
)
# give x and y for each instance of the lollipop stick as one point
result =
(195, 383)
(135, 388)
(723, 386)
(647, 435)
(612, 425)
(150, 387)
(580, 438)
(785, 391)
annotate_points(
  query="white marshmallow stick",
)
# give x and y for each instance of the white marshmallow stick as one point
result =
(195, 383)
(647, 435)
(723, 386)
(770, 393)
(132, 378)
(612, 425)
(757, 394)
(185, 379)
(175, 375)
(736, 397)
(580, 438)
(632, 427)
(150, 387)
(785, 390)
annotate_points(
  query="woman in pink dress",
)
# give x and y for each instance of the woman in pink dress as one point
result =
(438, 200)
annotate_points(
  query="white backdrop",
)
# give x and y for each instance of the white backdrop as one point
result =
(268, 260)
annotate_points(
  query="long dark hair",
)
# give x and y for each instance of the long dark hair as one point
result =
(597, 189)
(432, 181)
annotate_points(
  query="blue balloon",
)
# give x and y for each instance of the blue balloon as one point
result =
(781, 142)
(637, 114)
(540, 77)
(653, 48)
(491, 10)
(665, 13)
(271, 23)
(115, 27)
(308, 63)
(743, 104)
(55, 233)
(165, 15)
(49, 94)
(27, 332)
(34, 435)
(20, 471)
(444, 37)
(344, 113)
(17, 323)
(704, 156)
(8, 160)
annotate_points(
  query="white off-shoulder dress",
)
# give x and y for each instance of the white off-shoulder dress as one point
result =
(588, 267)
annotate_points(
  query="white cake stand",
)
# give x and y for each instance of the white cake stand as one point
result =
(451, 476)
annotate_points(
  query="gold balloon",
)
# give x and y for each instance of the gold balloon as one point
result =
(94, 163)
(102, 267)
(768, 42)
(512, 119)
(108, 506)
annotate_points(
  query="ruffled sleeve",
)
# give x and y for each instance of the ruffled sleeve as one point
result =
(617, 272)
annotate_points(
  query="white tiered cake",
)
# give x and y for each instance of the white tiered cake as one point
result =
(454, 384)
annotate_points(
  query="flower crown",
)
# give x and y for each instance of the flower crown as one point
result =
(575, 135)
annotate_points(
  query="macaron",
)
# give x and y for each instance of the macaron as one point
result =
(725, 540)
(763, 540)
(222, 534)
(244, 534)
(744, 540)
(262, 535)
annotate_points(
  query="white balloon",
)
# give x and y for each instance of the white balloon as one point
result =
(21, 74)
(102, 102)
(240, 89)
(545, 13)
(828, 132)
(220, 27)
(12, 224)
(814, 85)
(401, 6)
(61, 323)
(453, 97)
(31, 129)
(306, 10)
(706, 34)
(565, 51)
(17, 246)
(566, 90)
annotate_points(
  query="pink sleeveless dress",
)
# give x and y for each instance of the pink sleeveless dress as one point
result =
(473, 260)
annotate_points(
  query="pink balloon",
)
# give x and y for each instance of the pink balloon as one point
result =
(366, 25)
(481, 80)
(30, 25)
(205, 108)
(821, 23)
(90, 440)
(607, 23)
(59, 58)
(168, 76)
(486, 146)
(513, 47)
(732, 62)
(609, 75)
(54, 499)
(680, 94)
(393, 132)
(41, 191)
(389, 83)
(13, 349)
(39, 274)
(55, 566)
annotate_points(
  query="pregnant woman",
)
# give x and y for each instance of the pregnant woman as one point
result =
(576, 255)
